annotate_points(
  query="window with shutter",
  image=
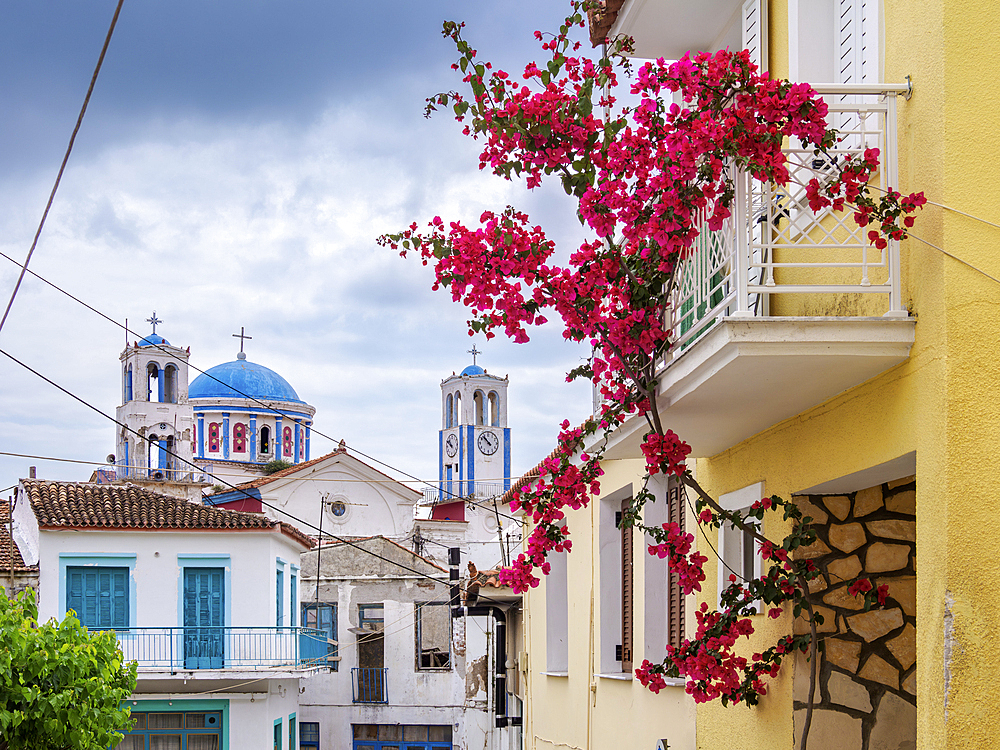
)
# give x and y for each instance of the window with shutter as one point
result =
(675, 598)
(279, 615)
(754, 37)
(627, 593)
(98, 595)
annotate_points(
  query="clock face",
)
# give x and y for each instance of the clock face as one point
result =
(451, 445)
(488, 443)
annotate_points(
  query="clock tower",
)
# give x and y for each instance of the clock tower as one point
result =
(474, 441)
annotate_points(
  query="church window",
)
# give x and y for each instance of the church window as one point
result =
(449, 412)
(302, 443)
(239, 438)
(170, 385)
(265, 439)
(494, 409)
(214, 432)
(477, 399)
(153, 391)
(286, 441)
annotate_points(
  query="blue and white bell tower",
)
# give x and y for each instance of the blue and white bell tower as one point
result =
(474, 440)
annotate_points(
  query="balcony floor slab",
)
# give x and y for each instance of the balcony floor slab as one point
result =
(744, 375)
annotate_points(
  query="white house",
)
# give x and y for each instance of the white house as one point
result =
(206, 600)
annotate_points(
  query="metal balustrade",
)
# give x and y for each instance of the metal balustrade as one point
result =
(461, 490)
(246, 648)
(774, 244)
(368, 684)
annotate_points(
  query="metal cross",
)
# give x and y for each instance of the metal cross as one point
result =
(473, 352)
(154, 320)
(241, 336)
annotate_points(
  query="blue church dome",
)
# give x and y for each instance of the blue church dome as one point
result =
(241, 379)
(154, 339)
(473, 370)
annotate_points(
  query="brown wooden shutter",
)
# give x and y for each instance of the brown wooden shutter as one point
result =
(675, 599)
(627, 563)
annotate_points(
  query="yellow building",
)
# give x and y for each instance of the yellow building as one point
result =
(809, 364)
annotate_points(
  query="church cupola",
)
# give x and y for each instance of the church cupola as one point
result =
(474, 440)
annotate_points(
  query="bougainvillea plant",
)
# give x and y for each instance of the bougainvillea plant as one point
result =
(648, 180)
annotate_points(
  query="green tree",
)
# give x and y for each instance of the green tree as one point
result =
(61, 686)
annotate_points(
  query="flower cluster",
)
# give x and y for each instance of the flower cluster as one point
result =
(647, 180)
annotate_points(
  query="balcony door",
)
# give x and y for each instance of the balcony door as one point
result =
(371, 654)
(204, 608)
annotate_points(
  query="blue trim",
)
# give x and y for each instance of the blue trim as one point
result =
(225, 436)
(226, 497)
(296, 429)
(506, 458)
(206, 408)
(279, 734)
(471, 479)
(461, 458)
(162, 455)
(308, 437)
(451, 491)
(177, 706)
(441, 468)
(159, 382)
(201, 436)
(253, 437)
(279, 447)
(205, 560)
(98, 560)
(125, 444)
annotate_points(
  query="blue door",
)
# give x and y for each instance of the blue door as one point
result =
(204, 608)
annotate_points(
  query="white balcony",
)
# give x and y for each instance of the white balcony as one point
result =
(783, 309)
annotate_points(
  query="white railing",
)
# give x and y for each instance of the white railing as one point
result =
(460, 490)
(774, 244)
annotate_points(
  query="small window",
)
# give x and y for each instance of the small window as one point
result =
(265, 439)
(286, 441)
(309, 735)
(239, 438)
(433, 628)
(99, 596)
(338, 508)
(214, 436)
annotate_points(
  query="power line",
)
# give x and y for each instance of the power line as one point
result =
(268, 407)
(296, 519)
(62, 167)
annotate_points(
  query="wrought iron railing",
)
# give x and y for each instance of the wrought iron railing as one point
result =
(368, 684)
(774, 244)
(225, 647)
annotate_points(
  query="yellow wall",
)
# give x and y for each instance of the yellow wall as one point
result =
(564, 712)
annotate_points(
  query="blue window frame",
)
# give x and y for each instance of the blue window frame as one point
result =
(277, 734)
(293, 595)
(401, 737)
(186, 730)
(322, 616)
(309, 735)
(291, 732)
(98, 595)
(280, 602)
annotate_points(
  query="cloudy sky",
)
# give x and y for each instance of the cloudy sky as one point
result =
(236, 164)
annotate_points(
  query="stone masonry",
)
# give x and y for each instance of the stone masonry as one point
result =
(865, 697)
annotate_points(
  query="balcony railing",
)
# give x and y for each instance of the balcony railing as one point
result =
(458, 490)
(225, 647)
(368, 684)
(774, 244)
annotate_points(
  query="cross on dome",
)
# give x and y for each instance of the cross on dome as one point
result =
(241, 336)
(154, 320)
(474, 352)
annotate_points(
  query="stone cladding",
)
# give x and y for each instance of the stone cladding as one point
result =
(865, 697)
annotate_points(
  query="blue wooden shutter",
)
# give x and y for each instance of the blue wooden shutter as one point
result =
(292, 598)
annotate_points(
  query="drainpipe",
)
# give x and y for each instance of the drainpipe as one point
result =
(500, 686)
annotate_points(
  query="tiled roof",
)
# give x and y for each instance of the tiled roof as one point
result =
(292, 470)
(602, 19)
(8, 550)
(531, 474)
(126, 506)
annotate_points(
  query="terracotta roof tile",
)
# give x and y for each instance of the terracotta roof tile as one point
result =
(126, 506)
(8, 550)
(601, 19)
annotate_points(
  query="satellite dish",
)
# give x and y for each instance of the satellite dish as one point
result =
(111, 458)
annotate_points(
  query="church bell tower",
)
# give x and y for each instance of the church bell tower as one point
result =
(474, 440)
(156, 449)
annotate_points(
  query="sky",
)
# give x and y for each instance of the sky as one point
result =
(237, 162)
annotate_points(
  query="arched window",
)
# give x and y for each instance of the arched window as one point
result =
(239, 438)
(265, 439)
(214, 435)
(458, 409)
(302, 443)
(170, 385)
(477, 400)
(286, 441)
(152, 382)
(494, 409)
(449, 413)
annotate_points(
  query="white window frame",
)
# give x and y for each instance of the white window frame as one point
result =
(739, 500)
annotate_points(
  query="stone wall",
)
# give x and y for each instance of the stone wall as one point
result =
(865, 696)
